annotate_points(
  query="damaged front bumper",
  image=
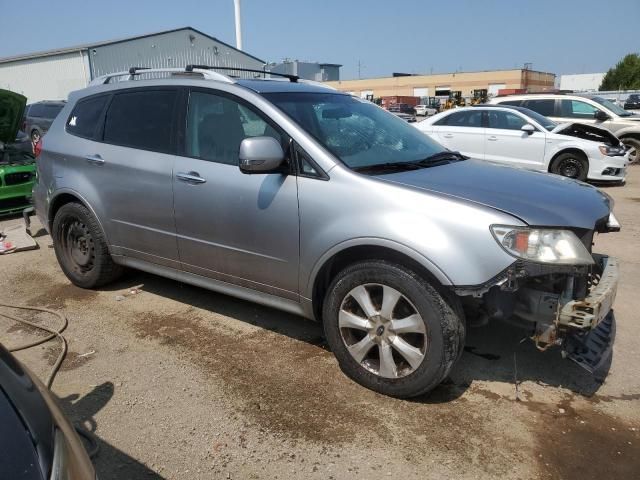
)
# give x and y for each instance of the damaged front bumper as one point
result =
(567, 306)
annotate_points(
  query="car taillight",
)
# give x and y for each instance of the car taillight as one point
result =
(37, 148)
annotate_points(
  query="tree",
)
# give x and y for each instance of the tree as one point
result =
(624, 76)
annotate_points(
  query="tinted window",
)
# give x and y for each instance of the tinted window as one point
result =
(513, 103)
(467, 118)
(83, 121)
(577, 109)
(141, 119)
(543, 107)
(216, 126)
(504, 120)
(51, 111)
(36, 110)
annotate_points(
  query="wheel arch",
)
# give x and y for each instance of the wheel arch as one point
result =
(64, 197)
(343, 255)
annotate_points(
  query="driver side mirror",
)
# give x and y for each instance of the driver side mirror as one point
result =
(260, 155)
(528, 128)
(600, 115)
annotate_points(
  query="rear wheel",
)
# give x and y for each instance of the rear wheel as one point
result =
(390, 330)
(572, 165)
(81, 248)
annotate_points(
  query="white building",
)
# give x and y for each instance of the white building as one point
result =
(582, 82)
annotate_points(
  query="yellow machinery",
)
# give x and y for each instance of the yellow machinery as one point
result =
(455, 100)
(479, 96)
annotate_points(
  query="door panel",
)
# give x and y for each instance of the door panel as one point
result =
(131, 188)
(462, 131)
(231, 226)
(507, 143)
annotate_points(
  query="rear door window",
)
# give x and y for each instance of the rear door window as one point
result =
(467, 118)
(86, 115)
(142, 119)
(51, 111)
(36, 110)
(542, 106)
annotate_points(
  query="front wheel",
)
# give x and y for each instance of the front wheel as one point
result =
(634, 148)
(81, 248)
(572, 165)
(390, 330)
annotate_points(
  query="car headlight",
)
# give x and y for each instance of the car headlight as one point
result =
(611, 151)
(560, 247)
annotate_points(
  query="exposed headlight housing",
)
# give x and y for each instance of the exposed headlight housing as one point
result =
(611, 151)
(543, 245)
(613, 225)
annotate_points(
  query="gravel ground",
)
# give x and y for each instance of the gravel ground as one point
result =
(182, 383)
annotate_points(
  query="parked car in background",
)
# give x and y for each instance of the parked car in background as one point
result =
(37, 442)
(403, 111)
(39, 116)
(522, 138)
(17, 163)
(310, 200)
(580, 109)
(425, 110)
(632, 102)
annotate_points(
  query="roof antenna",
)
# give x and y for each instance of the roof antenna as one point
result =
(238, 25)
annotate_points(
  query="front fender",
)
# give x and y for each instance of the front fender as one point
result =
(376, 242)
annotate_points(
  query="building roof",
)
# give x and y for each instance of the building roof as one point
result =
(87, 46)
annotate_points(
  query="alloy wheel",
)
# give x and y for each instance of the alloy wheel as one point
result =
(382, 330)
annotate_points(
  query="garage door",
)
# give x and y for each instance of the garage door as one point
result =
(494, 87)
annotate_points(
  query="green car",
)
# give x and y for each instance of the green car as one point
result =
(17, 163)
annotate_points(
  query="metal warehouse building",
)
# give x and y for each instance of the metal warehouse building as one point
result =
(52, 74)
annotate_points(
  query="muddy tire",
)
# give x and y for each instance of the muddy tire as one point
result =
(81, 248)
(572, 165)
(391, 330)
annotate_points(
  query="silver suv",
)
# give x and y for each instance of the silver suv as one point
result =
(581, 109)
(305, 199)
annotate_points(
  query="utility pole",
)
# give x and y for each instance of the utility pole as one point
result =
(359, 70)
(238, 24)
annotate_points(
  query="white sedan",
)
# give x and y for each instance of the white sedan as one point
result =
(523, 138)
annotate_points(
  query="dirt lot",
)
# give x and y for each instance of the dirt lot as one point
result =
(182, 383)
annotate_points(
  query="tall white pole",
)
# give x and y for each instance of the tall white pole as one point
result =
(238, 25)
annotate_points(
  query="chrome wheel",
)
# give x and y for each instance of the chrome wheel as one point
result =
(382, 330)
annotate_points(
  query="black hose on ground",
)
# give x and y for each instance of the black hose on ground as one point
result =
(53, 333)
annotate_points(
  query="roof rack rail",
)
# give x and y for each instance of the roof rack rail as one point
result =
(135, 71)
(291, 78)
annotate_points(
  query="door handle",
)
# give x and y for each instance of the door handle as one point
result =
(492, 138)
(448, 135)
(190, 177)
(95, 159)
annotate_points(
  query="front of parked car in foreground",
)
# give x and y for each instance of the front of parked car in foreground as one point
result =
(325, 205)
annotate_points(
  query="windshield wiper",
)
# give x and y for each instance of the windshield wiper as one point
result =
(388, 167)
(440, 157)
(434, 160)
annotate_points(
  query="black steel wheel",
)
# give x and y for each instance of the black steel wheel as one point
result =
(81, 248)
(572, 165)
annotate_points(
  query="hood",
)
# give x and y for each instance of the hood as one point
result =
(587, 132)
(538, 199)
(11, 111)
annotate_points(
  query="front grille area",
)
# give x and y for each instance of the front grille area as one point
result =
(17, 178)
(11, 204)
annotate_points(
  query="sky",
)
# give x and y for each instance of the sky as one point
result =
(370, 38)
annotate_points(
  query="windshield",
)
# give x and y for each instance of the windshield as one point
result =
(356, 131)
(621, 112)
(541, 119)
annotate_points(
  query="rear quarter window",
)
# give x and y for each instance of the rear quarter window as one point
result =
(86, 115)
(141, 119)
(544, 107)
